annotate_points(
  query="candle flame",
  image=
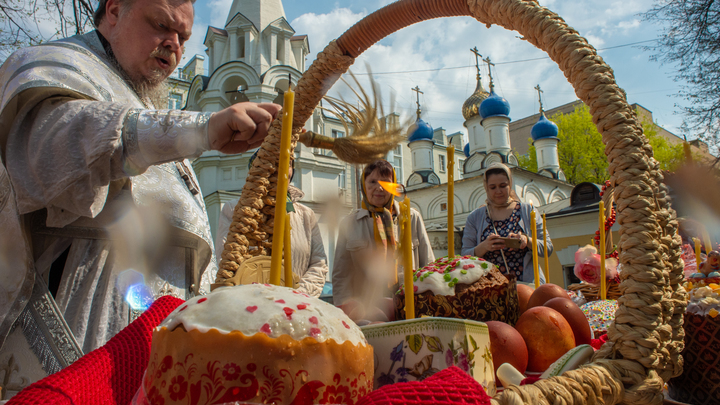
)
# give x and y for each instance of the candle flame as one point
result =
(393, 188)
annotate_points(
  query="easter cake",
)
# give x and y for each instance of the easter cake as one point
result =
(258, 344)
(700, 381)
(464, 287)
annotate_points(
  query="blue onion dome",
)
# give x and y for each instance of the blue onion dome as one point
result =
(494, 106)
(466, 150)
(420, 131)
(544, 128)
(471, 107)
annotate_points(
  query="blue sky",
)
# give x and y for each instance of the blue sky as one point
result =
(442, 48)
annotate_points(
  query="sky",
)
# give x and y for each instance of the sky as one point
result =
(435, 55)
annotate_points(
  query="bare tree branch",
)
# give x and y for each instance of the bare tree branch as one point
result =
(691, 40)
(31, 22)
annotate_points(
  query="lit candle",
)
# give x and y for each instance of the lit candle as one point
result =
(536, 267)
(708, 243)
(407, 259)
(282, 187)
(601, 250)
(288, 255)
(451, 201)
(698, 257)
(545, 238)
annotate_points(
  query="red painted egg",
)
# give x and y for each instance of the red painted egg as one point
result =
(507, 346)
(575, 317)
(547, 335)
(524, 294)
(544, 293)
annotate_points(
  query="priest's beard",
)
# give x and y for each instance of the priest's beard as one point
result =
(152, 88)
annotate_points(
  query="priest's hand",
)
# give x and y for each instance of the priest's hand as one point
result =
(241, 127)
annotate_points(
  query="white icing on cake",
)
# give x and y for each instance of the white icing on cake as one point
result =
(264, 308)
(441, 275)
(704, 301)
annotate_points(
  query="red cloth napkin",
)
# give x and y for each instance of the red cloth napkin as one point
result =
(447, 387)
(597, 343)
(109, 375)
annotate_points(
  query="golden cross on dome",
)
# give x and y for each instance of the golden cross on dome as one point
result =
(539, 96)
(487, 60)
(477, 60)
(416, 89)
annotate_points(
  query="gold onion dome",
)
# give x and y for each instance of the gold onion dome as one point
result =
(471, 106)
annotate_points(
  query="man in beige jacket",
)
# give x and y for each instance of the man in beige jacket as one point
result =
(360, 270)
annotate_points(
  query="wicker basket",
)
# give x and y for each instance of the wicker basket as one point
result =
(591, 292)
(646, 339)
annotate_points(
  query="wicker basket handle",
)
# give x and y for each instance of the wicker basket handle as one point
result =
(647, 336)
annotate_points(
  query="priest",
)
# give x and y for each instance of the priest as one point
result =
(91, 165)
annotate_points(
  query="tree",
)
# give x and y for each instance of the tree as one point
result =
(691, 40)
(582, 153)
(670, 156)
(31, 22)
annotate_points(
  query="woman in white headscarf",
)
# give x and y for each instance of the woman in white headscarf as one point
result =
(503, 216)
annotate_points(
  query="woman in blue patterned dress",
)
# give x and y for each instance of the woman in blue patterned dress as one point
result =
(503, 216)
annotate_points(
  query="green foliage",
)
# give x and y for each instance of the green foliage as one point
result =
(668, 155)
(529, 161)
(582, 153)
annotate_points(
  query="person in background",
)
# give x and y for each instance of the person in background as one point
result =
(503, 216)
(308, 252)
(366, 262)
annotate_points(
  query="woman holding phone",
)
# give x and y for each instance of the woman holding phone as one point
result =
(490, 228)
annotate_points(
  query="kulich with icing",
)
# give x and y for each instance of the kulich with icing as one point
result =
(258, 344)
(699, 382)
(464, 287)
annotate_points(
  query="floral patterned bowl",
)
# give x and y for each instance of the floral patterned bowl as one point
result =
(414, 349)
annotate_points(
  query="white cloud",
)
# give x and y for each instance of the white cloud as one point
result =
(219, 10)
(194, 46)
(627, 25)
(322, 28)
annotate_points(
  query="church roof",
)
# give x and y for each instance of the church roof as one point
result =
(544, 128)
(494, 106)
(260, 12)
(218, 31)
(471, 107)
(466, 150)
(420, 131)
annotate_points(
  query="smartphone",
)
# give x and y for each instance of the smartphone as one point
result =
(511, 242)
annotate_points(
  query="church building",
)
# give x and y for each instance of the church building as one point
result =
(251, 58)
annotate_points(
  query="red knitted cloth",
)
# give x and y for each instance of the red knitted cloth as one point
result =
(447, 387)
(109, 375)
(597, 343)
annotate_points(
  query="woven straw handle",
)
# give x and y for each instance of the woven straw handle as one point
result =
(647, 336)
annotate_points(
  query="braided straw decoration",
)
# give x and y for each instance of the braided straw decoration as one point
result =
(251, 228)
(646, 338)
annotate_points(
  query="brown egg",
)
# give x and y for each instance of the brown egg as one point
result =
(524, 293)
(507, 346)
(575, 317)
(544, 293)
(547, 335)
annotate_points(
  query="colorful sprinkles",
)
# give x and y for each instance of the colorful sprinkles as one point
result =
(600, 314)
